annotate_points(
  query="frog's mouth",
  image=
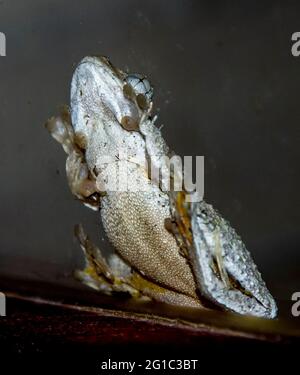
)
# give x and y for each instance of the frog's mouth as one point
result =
(126, 98)
(98, 88)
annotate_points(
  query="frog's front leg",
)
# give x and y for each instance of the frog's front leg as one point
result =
(81, 182)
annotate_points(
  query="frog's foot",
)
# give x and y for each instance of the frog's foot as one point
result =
(82, 183)
(114, 275)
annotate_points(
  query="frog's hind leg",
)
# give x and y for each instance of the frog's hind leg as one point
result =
(107, 277)
(82, 184)
(114, 275)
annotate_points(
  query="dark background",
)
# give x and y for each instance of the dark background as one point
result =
(226, 87)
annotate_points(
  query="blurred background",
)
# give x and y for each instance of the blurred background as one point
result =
(226, 87)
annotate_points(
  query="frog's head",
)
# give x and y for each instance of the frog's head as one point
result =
(100, 91)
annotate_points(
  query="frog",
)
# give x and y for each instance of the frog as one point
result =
(166, 247)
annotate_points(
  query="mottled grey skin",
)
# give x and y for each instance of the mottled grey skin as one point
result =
(109, 116)
(215, 239)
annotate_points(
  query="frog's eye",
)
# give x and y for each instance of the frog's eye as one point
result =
(141, 85)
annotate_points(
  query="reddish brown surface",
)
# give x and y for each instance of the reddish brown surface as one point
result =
(43, 318)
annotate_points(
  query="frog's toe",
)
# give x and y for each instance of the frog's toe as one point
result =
(82, 183)
(61, 130)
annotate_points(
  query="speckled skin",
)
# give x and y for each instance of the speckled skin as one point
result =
(133, 221)
(109, 119)
(142, 240)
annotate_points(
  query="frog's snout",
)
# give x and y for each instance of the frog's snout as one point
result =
(97, 90)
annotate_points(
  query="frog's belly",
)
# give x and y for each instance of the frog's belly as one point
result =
(134, 223)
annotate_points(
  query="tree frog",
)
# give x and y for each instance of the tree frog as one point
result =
(166, 248)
